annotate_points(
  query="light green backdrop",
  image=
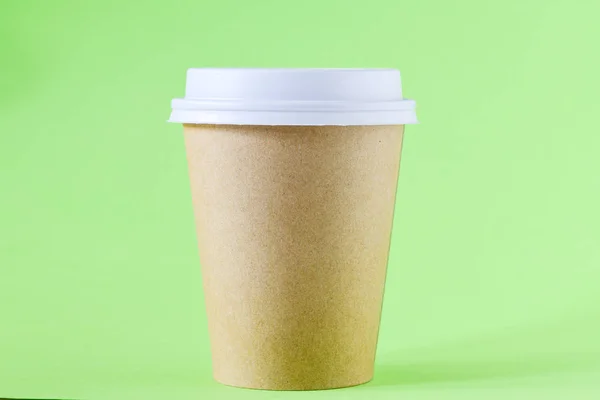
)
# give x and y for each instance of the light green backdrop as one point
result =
(493, 288)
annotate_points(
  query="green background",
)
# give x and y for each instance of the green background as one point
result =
(493, 286)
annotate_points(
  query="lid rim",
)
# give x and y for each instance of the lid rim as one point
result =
(304, 118)
(290, 105)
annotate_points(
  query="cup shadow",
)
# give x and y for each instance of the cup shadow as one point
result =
(563, 346)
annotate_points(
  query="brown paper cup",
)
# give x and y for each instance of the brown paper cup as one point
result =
(294, 227)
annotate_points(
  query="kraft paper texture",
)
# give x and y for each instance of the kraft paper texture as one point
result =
(294, 227)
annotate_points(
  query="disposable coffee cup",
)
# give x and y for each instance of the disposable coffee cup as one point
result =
(293, 175)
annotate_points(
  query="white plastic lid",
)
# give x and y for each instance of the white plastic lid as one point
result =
(253, 96)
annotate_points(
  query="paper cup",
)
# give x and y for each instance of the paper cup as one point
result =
(293, 185)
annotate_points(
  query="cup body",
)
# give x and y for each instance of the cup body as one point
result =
(293, 226)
